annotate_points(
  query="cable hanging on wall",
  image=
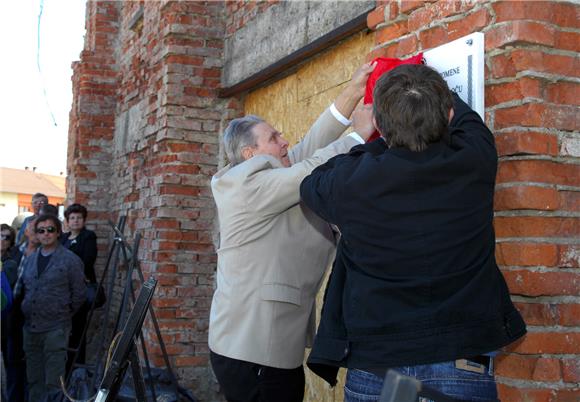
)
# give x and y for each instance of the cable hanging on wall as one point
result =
(38, 64)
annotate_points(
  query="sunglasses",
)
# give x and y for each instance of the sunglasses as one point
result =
(6, 237)
(50, 229)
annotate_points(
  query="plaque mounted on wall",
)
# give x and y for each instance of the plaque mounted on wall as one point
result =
(461, 64)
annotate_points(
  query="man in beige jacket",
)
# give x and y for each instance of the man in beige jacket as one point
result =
(273, 251)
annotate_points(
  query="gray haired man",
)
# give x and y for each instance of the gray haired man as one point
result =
(273, 251)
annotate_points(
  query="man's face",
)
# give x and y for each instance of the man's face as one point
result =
(47, 234)
(75, 221)
(37, 203)
(6, 240)
(270, 141)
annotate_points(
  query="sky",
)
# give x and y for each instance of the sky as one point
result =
(29, 136)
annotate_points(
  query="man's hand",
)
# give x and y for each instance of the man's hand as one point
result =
(359, 79)
(354, 91)
(362, 121)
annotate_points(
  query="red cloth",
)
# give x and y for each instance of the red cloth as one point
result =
(385, 64)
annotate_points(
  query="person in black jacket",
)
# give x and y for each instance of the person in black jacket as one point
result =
(12, 321)
(82, 242)
(415, 286)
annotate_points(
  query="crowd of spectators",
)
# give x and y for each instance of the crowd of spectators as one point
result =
(45, 275)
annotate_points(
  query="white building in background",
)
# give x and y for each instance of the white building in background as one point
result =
(17, 187)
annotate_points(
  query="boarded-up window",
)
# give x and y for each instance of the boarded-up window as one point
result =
(291, 105)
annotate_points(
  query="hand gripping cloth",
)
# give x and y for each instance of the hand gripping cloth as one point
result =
(385, 64)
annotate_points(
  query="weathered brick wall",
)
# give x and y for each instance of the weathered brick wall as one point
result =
(144, 143)
(241, 12)
(532, 87)
(92, 116)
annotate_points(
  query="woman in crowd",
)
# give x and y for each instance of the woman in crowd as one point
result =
(82, 242)
(9, 249)
(12, 320)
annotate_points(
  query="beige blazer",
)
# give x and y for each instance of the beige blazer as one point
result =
(273, 253)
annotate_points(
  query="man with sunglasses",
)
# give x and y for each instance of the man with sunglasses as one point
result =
(54, 289)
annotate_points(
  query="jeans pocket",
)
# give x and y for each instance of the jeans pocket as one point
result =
(460, 383)
(362, 386)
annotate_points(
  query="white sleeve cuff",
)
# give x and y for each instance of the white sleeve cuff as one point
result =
(338, 116)
(357, 137)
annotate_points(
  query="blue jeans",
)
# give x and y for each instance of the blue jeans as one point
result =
(362, 386)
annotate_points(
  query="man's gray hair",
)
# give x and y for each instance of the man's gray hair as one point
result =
(238, 135)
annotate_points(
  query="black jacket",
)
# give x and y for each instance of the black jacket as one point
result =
(415, 279)
(85, 246)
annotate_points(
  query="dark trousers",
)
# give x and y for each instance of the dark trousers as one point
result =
(243, 381)
(13, 356)
(79, 320)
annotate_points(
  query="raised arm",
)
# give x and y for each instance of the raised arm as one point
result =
(469, 126)
(334, 120)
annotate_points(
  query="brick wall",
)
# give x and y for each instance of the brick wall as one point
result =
(241, 12)
(532, 87)
(144, 141)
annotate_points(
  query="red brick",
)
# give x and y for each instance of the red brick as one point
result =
(571, 370)
(516, 394)
(410, 5)
(402, 48)
(421, 18)
(570, 200)
(527, 197)
(376, 17)
(569, 314)
(539, 314)
(523, 10)
(526, 254)
(547, 342)
(566, 15)
(184, 59)
(166, 268)
(528, 368)
(191, 361)
(166, 302)
(547, 370)
(567, 40)
(433, 37)
(510, 91)
(391, 32)
(536, 283)
(448, 8)
(473, 22)
(563, 93)
(569, 256)
(539, 171)
(526, 143)
(514, 366)
(179, 190)
(393, 9)
(379, 52)
(562, 117)
(519, 32)
(536, 226)
(163, 314)
(509, 63)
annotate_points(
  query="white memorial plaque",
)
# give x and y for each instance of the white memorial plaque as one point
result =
(461, 64)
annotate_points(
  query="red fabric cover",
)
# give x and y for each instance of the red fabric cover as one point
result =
(385, 64)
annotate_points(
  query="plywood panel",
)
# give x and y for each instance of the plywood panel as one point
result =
(291, 105)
